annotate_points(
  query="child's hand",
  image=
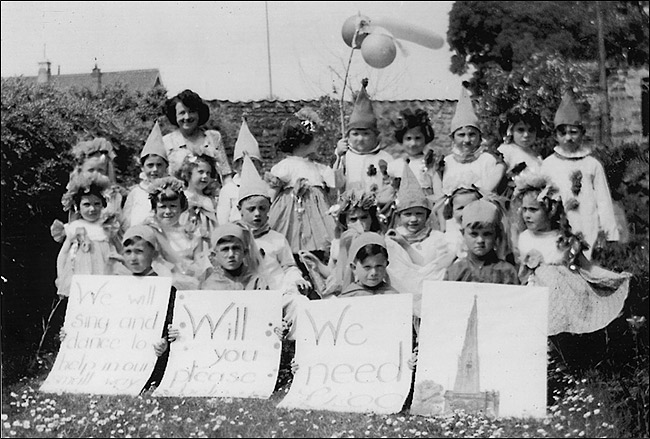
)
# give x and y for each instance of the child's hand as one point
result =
(341, 147)
(160, 347)
(294, 366)
(392, 234)
(282, 332)
(413, 361)
(303, 284)
(172, 333)
(62, 334)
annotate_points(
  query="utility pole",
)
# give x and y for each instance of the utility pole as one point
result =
(268, 49)
(605, 122)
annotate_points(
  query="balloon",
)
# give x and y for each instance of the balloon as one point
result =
(350, 27)
(415, 34)
(378, 50)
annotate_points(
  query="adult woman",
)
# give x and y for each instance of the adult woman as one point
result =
(188, 112)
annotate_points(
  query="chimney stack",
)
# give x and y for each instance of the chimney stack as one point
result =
(44, 72)
(97, 74)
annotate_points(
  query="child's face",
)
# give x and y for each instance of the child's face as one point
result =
(413, 141)
(480, 240)
(533, 214)
(523, 134)
(467, 139)
(188, 120)
(154, 167)
(414, 218)
(168, 212)
(200, 177)
(359, 219)
(229, 255)
(96, 164)
(569, 137)
(90, 207)
(138, 256)
(371, 271)
(362, 140)
(255, 211)
(459, 203)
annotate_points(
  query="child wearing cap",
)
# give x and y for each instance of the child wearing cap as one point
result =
(360, 161)
(153, 163)
(140, 250)
(470, 163)
(368, 261)
(236, 261)
(581, 180)
(482, 230)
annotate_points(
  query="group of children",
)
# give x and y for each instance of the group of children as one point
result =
(477, 215)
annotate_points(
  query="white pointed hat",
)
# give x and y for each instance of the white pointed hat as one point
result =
(246, 143)
(251, 182)
(465, 115)
(154, 144)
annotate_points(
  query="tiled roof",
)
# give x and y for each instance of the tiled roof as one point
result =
(138, 80)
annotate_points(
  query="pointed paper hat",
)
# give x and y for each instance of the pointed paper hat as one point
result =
(154, 144)
(480, 211)
(251, 182)
(363, 116)
(567, 113)
(465, 115)
(410, 192)
(246, 143)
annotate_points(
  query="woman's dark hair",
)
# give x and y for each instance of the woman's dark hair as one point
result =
(370, 250)
(408, 120)
(168, 195)
(192, 101)
(294, 133)
(92, 190)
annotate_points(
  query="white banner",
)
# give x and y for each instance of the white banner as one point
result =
(227, 345)
(111, 324)
(352, 355)
(482, 347)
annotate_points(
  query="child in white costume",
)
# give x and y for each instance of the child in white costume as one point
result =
(278, 264)
(581, 180)
(154, 164)
(583, 297)
(246, 144)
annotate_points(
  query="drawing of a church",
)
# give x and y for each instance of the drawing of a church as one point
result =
(466, 394)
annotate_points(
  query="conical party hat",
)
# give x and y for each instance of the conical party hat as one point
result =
(246, 143)
(363, 115)
(567, 113)
(410, 192)
(251, 182)
(154, 144)
(465, 115)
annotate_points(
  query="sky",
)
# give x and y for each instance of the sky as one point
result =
(220, 49)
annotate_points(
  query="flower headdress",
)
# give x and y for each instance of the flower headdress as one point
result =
(533, 181)
(83, 183)
(309, 119)
(88, 148)
(355, 199)
(164, 184)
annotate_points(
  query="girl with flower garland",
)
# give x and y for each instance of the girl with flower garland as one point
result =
(168, 202)
(199, 173)
(299, 208)
(582, 297)
(581, 180)
(355, 213)
(90, 243)
(413, 131)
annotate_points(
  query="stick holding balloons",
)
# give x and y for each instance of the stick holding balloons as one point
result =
(378, 41)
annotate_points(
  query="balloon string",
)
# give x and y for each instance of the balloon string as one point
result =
(345, 81)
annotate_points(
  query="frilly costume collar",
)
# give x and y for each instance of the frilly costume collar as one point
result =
(582, 151)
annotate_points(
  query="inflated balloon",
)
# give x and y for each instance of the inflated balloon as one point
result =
(415, 34)
(350, 27)
(378, 50)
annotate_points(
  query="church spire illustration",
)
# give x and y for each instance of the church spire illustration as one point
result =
(467, 393)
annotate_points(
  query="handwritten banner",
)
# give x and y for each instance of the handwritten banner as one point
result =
(352, 355)
(111, 324)
(482, 348)
(227, 345)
